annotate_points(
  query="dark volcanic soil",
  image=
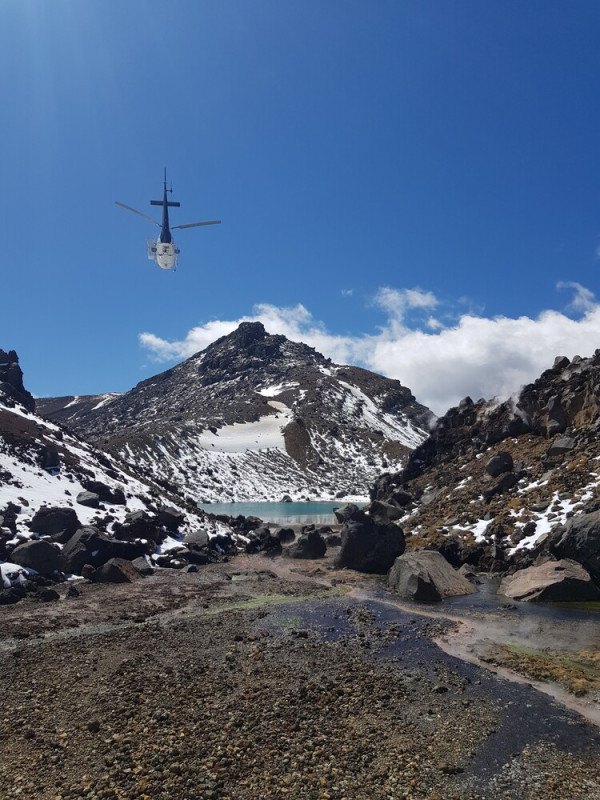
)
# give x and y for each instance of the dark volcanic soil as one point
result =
(253, 680)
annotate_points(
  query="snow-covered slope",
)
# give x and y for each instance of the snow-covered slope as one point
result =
(254, 417)
(40, 464)
(44, 468)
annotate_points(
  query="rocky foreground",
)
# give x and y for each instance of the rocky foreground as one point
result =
(266, 678)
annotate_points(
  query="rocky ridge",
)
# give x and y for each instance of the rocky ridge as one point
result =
(67, 507)
(496, 485)
(254, 416)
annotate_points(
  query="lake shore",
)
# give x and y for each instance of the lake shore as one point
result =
(272, 679)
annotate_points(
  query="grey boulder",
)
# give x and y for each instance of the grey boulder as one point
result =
(552, 582)
(309, 545)
(116, 570)
(88, 499)
(425, 575)
(39, 555)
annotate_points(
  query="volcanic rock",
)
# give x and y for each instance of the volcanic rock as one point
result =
(51, 521)
(105, 493)
(11, 381)
(116, 570)
(425, 575)
(310, 544)
(552, 582)
(501, 462)
(39, 555)
(171, 518)
(90, 546)
(369, 546)
(579, 540)
(88, 499)
(138, 525)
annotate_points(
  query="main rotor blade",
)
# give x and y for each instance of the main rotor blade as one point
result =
(139, 213)
(195, 224)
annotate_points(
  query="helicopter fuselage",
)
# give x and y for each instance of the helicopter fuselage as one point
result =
(164, 254)
(163, 251)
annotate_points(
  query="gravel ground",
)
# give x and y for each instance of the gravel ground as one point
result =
(240, 683)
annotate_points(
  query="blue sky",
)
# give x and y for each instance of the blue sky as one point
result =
(410, 186)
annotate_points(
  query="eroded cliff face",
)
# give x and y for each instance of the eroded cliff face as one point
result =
(11, 381)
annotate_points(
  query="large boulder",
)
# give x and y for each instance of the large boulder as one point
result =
(347, 512)
(552, 582)
(425, 575)
(196, 540)
(385, 512)
(579, 540)
(55, 521)
(562, 446)
(498, 464)
(503, 484)
(138, 525)
(171, 518)
(39, 555)
(369, 546)
(116, 570)
(88, 499)
(90, 546)
(105, 493)
(285, 535)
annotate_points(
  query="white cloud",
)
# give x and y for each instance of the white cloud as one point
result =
(476, 356)
(583, 299)
(397, 302)
(347, 292)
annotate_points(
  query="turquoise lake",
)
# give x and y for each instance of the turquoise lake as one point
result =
(281, 513)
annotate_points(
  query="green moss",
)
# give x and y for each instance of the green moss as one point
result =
(558, 658)
(265, 600)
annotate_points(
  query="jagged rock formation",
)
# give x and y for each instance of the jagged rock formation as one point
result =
(255, 416)
(494, 479)
(11, 382)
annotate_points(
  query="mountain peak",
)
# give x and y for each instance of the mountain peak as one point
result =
(256, 416)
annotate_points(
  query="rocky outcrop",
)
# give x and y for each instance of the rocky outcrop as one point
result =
(11, 381)
(426, 576)
(551, 582)
(91, 546)
(496, 477)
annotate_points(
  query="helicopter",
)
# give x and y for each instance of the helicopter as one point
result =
(163, 251)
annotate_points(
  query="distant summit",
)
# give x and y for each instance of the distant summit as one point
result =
(255, 416)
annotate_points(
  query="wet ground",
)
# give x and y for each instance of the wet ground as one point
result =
(286, 679)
